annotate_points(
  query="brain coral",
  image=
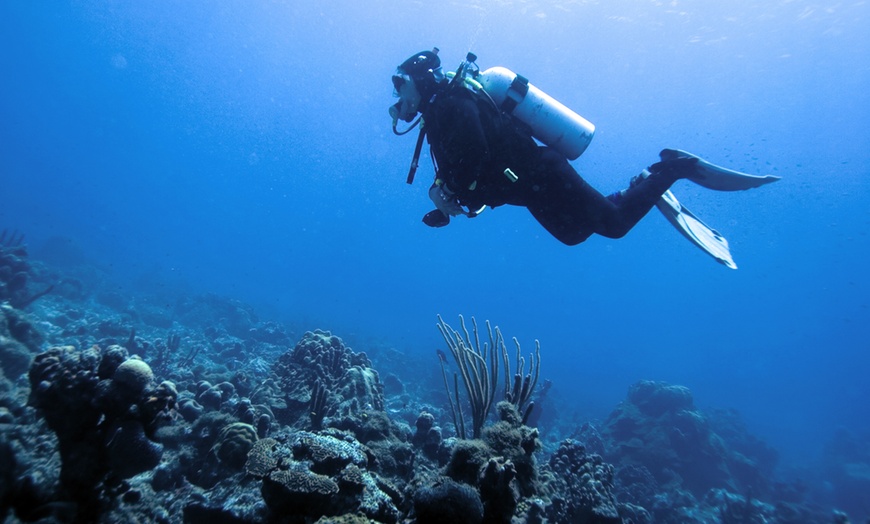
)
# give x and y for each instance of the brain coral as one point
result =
(234, 442)
(262, 458)
(133, 374)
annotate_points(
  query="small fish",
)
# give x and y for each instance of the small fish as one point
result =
(441, 355)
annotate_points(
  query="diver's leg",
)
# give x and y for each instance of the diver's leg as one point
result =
(572, 210)
(559, 199)
(643, 193)
(632, 204)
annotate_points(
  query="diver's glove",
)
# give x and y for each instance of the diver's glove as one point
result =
(445, 200)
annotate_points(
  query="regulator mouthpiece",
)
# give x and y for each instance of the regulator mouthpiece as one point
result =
(394, 112)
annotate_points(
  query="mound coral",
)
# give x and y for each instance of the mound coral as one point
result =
(322, 377)
(583, 485)
(659, 428)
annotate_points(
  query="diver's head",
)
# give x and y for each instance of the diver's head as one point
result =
(415, 81)
(409, 98)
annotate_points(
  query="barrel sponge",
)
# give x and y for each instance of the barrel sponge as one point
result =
(130, 451)
(467, 459)
(133, 374)
(448, 501)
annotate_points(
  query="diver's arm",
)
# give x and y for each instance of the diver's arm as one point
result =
(463, 146)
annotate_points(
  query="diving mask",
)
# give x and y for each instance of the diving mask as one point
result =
(409, 99)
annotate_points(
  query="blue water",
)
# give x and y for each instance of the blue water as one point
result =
(244, 148)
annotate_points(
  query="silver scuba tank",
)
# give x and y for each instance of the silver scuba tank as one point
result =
(552, 123)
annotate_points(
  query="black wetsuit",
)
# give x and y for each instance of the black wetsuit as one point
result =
(473, 144)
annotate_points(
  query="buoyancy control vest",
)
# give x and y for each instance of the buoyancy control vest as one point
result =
(516, 108)
(471, 162)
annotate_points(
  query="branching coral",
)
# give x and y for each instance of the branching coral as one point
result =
(479, 367)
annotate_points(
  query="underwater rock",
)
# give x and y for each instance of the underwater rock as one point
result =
(111, 357)
(228, 347)
(233, 316)
(223, 440)
(210, 397)
(271, 333)
(18, 325)
(166, 477)
(751, 461)
(15, 355)
(63, 385)
(634, 484)
(234, 500)
(359, 389)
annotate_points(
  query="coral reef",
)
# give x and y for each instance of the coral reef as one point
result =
(97, 414)
(479, 368)
(322, 377)
(581, 487)
(309, 475)
(16, 272)
(19, 341)
(847, 461)
(122, 407)
(659, 428)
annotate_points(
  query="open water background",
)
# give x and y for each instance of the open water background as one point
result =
(243, 148)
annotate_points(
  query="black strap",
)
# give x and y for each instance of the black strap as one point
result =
(520, 86)
(416, 160)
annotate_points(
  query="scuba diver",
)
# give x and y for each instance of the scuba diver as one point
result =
(481, 127)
